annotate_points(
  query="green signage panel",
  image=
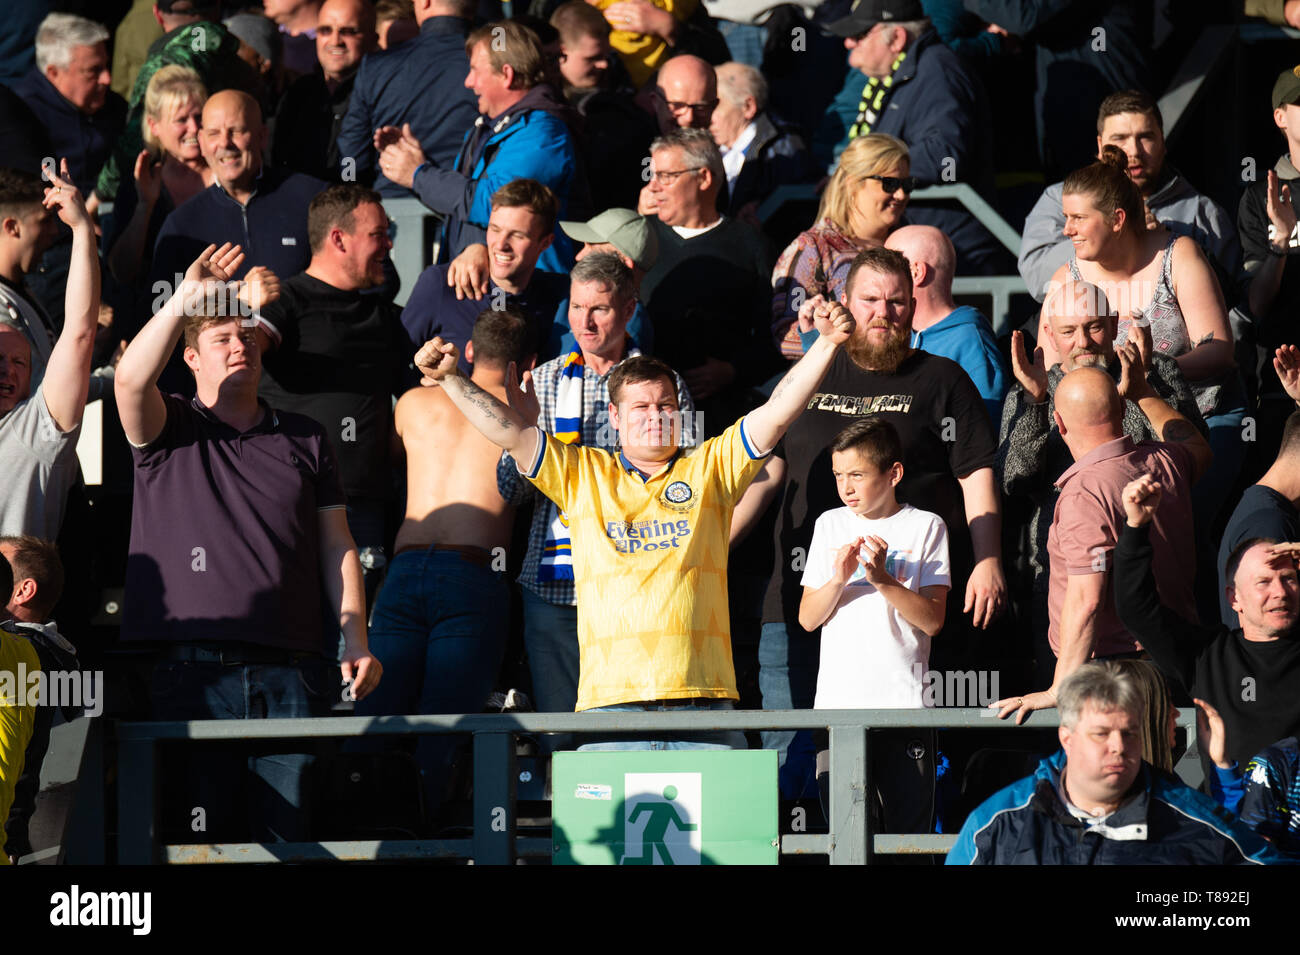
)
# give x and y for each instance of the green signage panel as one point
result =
(684, 807)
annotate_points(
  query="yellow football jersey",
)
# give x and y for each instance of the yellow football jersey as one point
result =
(18, 662)
(650, 566)
(642, 54)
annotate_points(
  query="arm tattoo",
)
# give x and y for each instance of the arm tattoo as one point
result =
(484, 402)
(1179, 430)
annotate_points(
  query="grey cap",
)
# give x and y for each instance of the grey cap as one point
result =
(625, 230)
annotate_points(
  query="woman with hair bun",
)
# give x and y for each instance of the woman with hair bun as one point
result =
(863, 202)
(1155, 278)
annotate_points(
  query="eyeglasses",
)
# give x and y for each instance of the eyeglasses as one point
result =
(676, 107)
(893, 183)
(343, 32)
(666, 178)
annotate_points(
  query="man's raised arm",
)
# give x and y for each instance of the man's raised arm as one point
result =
(67, 375)
(505, 426)
(768, 423)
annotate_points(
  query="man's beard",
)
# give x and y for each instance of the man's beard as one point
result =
(885, 357)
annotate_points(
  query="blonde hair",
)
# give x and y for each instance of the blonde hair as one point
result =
(169, 88)
(869, 155)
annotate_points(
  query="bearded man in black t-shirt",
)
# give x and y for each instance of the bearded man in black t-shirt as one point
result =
(948, 454)
(334, 350)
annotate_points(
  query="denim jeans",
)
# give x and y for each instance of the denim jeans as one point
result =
(551, 637)
(439, 629)
(718, 739)
(787, 678)
(262, 798)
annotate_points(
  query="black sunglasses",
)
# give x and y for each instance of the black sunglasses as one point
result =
(893, 183)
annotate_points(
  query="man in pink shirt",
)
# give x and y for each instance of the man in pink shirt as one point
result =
(1089, 515)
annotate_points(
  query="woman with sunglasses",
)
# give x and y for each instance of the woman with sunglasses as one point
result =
(863, 202)
(1152, 277)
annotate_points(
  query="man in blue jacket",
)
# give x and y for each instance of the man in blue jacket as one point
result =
(906, 82)
(524, 130)
(419, 83)
(1097, 802)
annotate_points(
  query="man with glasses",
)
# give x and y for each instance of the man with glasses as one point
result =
(685, 93)
(312, 109)
(906, 82)
(707, 295)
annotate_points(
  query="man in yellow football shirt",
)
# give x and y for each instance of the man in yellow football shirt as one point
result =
(649, 524)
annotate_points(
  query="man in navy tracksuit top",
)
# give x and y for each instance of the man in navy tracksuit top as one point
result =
(264, 211)
(1097, 802)
(525, 131)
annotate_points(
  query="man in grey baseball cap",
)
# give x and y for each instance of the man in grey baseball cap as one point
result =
(617, 230)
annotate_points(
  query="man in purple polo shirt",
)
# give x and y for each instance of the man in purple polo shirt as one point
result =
(239, 538)
(1089, 413)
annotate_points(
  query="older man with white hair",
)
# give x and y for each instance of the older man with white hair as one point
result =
(758, 152)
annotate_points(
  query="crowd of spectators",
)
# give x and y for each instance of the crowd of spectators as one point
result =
(652, 430)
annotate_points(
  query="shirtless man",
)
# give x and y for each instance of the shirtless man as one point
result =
(442, 614)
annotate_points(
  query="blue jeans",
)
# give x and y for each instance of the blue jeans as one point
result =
(439, 629)
(261, 798)
(718, 739)
(551, 637)
(745, 41)
(787, 678)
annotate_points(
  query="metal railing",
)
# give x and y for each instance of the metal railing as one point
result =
(850, 840)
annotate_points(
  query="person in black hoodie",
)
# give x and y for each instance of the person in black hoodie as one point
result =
(1251, 674)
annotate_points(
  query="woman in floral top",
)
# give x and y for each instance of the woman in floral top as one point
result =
(863, 202)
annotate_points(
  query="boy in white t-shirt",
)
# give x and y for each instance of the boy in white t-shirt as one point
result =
(877, 583)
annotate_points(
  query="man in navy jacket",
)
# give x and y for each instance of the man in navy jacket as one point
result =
(421, 84)
(1097, 802)
(525, 130)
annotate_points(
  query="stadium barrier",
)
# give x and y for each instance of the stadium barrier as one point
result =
(495, 841)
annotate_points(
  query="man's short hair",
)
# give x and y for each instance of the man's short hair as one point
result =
(1101, 683)
(530, 194)
(741, 81)
(336, 207)
(509, 43)
(39, 560)
(1128, 101)
(882, 260)
(607, 269)
(59, 33)
(698, 150)
(1290, 446)
(501, 336)
(635, 370)
(169, 88)
(576, 20)
(19, 190)
(875, 439)
(394, 10)
(6, 578)
(1238, 552)
(201, 320)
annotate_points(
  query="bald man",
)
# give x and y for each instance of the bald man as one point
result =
(1031, 454)
(311, 112)
(1089, 517)
(263, 210)
(685, 93)
(942, 327)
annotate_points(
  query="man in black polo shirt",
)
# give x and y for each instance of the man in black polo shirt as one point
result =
(948, 454)
(239, 540)
(336, 354)
(519, 230)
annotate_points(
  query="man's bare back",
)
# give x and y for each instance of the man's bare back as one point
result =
(451, 483)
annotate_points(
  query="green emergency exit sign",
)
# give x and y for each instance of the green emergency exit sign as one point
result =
(665, 808)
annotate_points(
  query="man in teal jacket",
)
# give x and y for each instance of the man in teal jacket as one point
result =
(524, 130)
